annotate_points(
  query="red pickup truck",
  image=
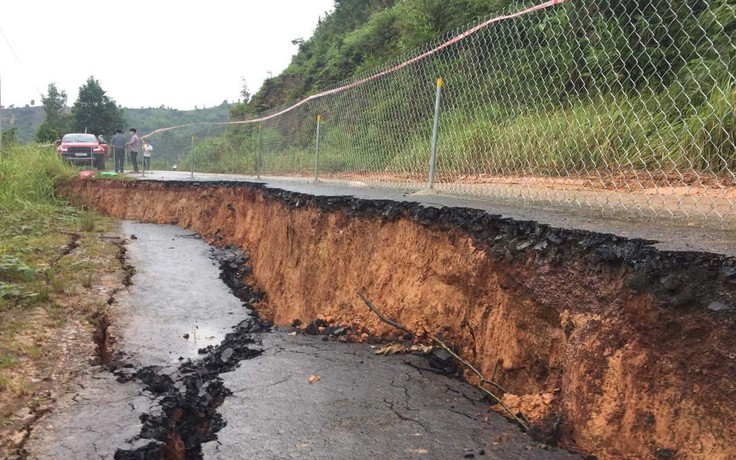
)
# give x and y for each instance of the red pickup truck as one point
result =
(83, 148)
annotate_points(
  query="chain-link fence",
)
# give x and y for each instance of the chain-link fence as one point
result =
(620, 106)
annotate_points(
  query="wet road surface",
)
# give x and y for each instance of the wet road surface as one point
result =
(363, 406)
(177, 302)
(196, 376)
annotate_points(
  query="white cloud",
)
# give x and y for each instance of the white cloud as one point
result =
(149, 53)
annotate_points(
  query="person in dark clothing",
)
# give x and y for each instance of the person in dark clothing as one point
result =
(133, 144)
(118, 150)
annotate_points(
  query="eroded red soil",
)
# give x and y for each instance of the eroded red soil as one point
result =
(606, 358)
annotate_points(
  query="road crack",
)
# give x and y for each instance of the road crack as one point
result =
(186, 415)
(270, 385)
(454, 411)
(406, 418)
(461, 393)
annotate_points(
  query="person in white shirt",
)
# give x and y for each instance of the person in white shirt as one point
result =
(147, 149)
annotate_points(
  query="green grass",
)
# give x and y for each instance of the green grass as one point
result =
(29, 176)
(41, 285)
(639, 131)
(5, 382)
(87, 221)
(620, 132)
(6, 360)
(87, 280)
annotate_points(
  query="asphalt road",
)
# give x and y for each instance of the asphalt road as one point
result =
(194, 373)
(364, 406)
(666, 234)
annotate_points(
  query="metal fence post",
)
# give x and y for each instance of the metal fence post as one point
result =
(316, 152)
(191, 162)
(433, 156)
(1, 119)
(258, 158)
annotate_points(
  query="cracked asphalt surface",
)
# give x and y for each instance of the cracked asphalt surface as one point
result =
(92, 422)
(363, 406)
(177, 302)
(666, 234)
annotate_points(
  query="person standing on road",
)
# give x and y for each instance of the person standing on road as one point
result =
(118, 150)
(133, 144)
(147, 149)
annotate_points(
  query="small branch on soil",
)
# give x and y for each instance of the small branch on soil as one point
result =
(383, 317)
(520, 418)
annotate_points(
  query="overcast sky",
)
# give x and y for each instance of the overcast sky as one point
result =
(149, 53)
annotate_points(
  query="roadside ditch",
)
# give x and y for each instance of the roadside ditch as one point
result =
(607, 345)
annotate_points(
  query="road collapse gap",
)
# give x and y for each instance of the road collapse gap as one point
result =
(189, 404)
(598, 338)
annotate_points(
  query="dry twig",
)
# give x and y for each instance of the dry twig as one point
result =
(520, 419)
(384, 318)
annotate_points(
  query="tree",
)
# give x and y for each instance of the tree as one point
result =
(10, 137)
(94, 111)
(56, 122)
(244, 91)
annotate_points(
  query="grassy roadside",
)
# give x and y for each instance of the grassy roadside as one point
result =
(58, 267)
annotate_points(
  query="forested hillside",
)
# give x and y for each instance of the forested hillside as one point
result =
(171, 146)
(578, 87)
(362, 34)
(22, 122)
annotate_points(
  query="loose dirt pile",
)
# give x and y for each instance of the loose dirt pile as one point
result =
(610, 346)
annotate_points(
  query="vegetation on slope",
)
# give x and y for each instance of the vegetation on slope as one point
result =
(171, 146)
(584, 85)
(52, 265)
(360, 35)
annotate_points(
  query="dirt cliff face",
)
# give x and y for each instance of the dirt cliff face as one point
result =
(610, 346)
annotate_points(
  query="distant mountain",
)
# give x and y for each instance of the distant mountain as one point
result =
(25, 119)
(170, 145)
(147, 120)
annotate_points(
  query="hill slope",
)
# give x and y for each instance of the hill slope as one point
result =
(362, 34)
(25, 120)
(637, 85)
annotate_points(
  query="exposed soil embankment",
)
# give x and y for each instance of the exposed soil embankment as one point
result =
(609, 345)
